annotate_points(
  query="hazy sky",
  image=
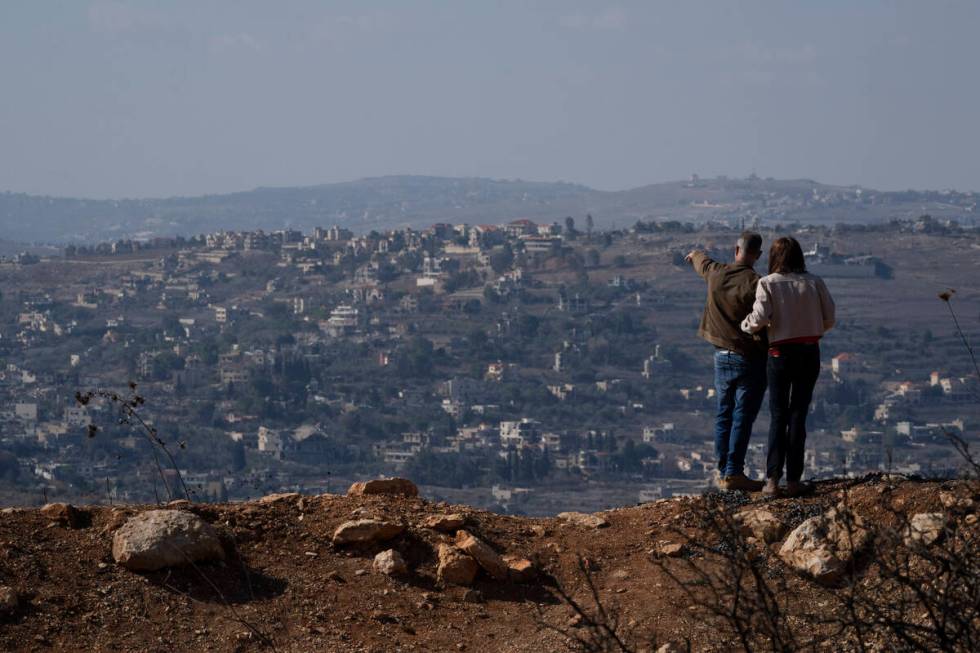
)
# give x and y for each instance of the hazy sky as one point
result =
(132, 99)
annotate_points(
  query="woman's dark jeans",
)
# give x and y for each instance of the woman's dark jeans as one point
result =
(792, 375)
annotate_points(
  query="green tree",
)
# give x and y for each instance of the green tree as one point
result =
(592, 258)
(502, 258)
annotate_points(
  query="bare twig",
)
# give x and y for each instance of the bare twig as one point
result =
(946, 296)
(597, 629)
(129, 414)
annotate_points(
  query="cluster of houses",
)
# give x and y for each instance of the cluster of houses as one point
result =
(367, 289)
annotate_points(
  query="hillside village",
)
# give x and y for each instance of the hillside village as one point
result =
(498, 364)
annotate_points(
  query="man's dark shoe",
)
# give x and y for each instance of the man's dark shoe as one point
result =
(771, 488)
(797, 488)
(740, 482)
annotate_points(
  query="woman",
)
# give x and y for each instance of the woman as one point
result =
(796, 309)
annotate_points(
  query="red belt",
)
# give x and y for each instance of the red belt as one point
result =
(805, 340)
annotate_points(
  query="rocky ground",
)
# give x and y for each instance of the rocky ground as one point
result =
(382, 570)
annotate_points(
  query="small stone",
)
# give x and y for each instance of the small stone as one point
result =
(583, 519)
(361, 572)
(335, 576)
(520, 570)
(487, 558)
(668, 550)
(760, 524)
(366, 531)
(9, 600)
(444, 523)
(279, 497)
(954, 503)
(455, 567)
(390, 563)
(178, 503)
(115, 520)
(64, 514)
(925, 528)
(387, 486)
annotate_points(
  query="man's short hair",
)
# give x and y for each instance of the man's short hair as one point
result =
(750, 242)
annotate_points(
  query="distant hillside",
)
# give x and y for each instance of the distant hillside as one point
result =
(387, 202)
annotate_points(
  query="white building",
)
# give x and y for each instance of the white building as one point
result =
(343, 320)
(272, 442)
(662, 433)
(26, 411)
(523, 433)
(76, 417)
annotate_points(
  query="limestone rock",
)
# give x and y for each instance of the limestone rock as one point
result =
(389, 486)
(954, 503)
(925, 528)
(390, 563)
(825, 546)
(165, 538)
(760, 524)
(455, 567)
(64, 514)
(366, 531)
(444, 523)
(8, 600)
(116, 520)
(520, 570)
(279, 496)
(668, 550)
(583, 519)
(480, 551)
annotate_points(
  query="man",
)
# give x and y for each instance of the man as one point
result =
(740, 358)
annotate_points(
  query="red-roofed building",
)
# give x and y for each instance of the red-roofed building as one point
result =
(521, 227)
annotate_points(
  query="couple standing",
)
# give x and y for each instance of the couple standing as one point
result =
(764, 330)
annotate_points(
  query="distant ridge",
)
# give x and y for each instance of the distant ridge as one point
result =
(418, 201)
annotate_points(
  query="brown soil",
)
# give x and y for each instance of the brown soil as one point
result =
(289, 583)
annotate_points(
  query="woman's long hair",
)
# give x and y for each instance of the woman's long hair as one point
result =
(786, 256)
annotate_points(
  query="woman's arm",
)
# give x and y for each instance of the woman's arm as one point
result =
(761, 313)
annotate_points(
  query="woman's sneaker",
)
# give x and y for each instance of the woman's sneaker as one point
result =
(797, 488)
(771, 488)
(740, 482)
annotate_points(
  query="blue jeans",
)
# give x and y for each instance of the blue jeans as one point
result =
(740, 382)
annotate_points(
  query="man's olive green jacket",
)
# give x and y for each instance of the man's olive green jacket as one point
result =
(731, 293)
